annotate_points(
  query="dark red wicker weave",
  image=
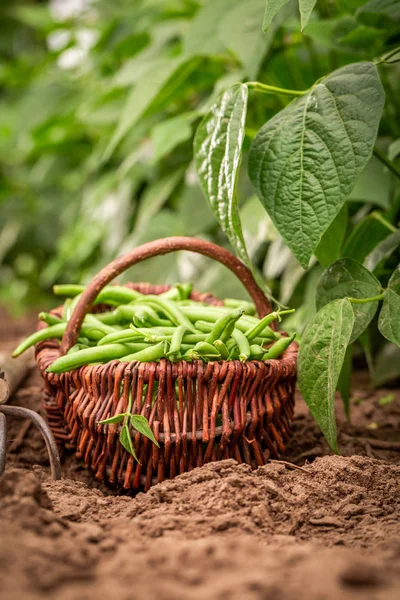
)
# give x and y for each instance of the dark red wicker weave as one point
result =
(198, 412)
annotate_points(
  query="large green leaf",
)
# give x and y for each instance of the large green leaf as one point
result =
(218, 152)
(305, 160)
(382, 251)
(152, 202)
(380, 13)
(203, 34)
(322, 353)
(271, 9)
(373, 185)
(364, 237)
(306, 8)
(389, 317)
(328, 250)
(394, 148)
(168, 134)
(240, 31)
(346, 278)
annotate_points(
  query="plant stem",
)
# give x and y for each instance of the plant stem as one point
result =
(271, 89)
(386, 161)
(366, 300)
(385, 58)
(377, 215)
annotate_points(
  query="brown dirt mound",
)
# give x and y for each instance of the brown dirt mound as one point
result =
(222, 531)
(335, 500)
(327, 531)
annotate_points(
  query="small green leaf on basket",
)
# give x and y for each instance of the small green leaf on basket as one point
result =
(322, 353)
(114, 419)
(389, 317)
(141, 424)
(126, 440)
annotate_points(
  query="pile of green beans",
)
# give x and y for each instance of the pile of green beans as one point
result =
(146, 328)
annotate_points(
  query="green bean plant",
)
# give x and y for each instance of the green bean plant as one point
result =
(298, 156)
(304, 162)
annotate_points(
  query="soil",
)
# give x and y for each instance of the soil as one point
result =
(317, 526)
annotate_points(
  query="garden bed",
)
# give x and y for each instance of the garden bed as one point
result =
(328, 529)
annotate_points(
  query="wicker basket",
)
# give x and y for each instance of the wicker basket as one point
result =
(198, 412)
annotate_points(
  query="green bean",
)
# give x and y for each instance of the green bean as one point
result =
(185, 289)
(121, 337)
(242, 343)
(86, 341)
(117, 294)
(136, 333)
(108, 318)
(54, 331)
(268, 335)
(180, 291)
(210, 314)
(256, 352)
(127, 312)
(48, 333)
(203, 326)
(222, 349)
(278, 347)
(247, 307)
(255, 331)
(206, 349)
(92, 321)
(72, 306)
(77, 347)
(87, 356)
(194, 338)
(150, 354)
(224, 326)
(68, 289)
(147, 317)
(49, 319)
(111, 294)
(66, 313)
(170, 310)
(203, 313)
(193, 354)
(174, 353)
(192, 303)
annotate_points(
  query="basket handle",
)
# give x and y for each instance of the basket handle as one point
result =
(154, 248)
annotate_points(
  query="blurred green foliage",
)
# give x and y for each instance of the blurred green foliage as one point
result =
(99, 102)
